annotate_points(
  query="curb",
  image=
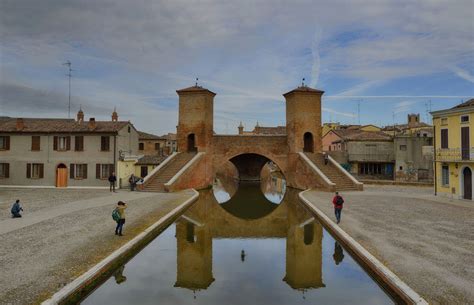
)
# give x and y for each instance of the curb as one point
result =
(391, 283)
(73, 292)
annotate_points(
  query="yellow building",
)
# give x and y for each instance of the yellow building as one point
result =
(454, 157)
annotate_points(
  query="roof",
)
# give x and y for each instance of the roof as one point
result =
(465, 104)
(279, 130)
(40, 125)
(170, 137)
(402, 127)
(360, 135)
(150, 160)
(305, 89)
(148, 136)
(194, 89)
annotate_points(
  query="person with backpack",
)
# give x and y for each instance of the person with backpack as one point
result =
(119, 216)
(16, 208)
(338, 202)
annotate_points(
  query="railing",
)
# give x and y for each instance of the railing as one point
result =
(371, 157)
(454, 154)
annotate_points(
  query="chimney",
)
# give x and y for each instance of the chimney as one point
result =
(20, 124)
(114, 115)
(92, 123)
(80, 116)
(413, 119)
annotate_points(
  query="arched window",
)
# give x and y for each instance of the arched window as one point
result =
(308, 142)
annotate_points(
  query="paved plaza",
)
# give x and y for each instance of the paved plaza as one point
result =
(65, 232)
(427, 241)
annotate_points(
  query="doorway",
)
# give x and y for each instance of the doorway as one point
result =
(467, 183)
(192, 143)
(61, 175)
(308, 142)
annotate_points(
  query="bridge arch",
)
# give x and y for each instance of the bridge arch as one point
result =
(250, 164)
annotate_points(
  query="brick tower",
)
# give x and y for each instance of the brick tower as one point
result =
(303, 119)
(196, 116)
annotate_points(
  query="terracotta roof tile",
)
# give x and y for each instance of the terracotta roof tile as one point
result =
(150, 160)
(148, 136)
(360, 135)
(465, 104)
(304, 89)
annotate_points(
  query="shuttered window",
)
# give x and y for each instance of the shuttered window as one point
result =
(79, 143)
(62, 143)
(35, 143)
(444, 138)
(445, 175)
(4, 142)
(78, 171)
(103, 171)
(4, 170)
(35, 170)
(105, 143)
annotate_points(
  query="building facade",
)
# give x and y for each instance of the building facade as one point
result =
(63, 152)
(151, 145)
(454, 155)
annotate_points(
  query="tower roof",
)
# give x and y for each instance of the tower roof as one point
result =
(304, 89)
(194, 89)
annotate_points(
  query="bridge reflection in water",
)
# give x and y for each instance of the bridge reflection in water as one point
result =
(220, 255)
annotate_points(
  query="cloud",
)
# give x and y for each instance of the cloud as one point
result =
(345, 114)
(466, 75)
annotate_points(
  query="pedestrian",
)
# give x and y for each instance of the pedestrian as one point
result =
(133, 182)
(338, 202)
(112, 179)
(338, 255)
(121, 206)
(326, 158)
(16, 208)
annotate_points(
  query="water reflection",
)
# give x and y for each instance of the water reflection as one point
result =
(285, 258)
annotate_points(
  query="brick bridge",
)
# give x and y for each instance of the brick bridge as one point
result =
(201, 152)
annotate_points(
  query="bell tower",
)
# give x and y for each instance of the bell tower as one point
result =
(196, 119)
(303, 119)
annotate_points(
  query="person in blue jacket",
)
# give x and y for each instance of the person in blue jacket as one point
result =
(16, 208)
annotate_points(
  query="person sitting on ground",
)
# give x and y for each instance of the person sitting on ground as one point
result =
(338, 201)
(121, 206)
(16, 208)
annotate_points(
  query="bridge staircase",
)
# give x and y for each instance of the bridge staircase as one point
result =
(156, 183)
(335, 173)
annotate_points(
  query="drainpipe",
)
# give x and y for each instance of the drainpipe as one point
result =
(434, 160)
(115, 154)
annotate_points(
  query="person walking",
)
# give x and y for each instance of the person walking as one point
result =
(112, 180)
(16, 208)
(338, 202)
(326, 158)
(121, 206)
(133, 182)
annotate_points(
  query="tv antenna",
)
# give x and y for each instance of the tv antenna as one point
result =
(69, 74)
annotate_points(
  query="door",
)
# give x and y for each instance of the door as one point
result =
(308, 143)
(144, 171)
(61, 176)
(467, 178)
(465, 151)
(192, 143)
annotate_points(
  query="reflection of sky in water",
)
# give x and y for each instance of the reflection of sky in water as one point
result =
(151, 276)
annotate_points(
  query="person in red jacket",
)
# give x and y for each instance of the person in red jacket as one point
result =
(338, 202)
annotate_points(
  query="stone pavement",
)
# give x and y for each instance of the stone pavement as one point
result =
(427, 241)
(51, 246)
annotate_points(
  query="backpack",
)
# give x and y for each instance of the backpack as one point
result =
(339, 200)
(115, 215)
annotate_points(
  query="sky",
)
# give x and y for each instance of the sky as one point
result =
(377, 58)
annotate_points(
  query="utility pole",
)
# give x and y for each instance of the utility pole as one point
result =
(68, 64)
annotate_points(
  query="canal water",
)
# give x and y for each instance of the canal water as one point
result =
(254, 246)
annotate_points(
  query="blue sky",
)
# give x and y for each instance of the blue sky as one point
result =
(391, 57)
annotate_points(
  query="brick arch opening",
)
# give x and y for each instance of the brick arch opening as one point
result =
(250, 165)
(308, 142)
(191, 140)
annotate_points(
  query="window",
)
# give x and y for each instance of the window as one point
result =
(34, 170)
(445, 175)
(35, 143)
(371, 169)
(4, 170)
(403, 147)
(78, 171)
(79, 143)
(104, 143)
(62, 143)
(444, 121)
(103, 171)
(141, 146)
(157, 146)
(4, 143)
(444, 138)
(464, 118)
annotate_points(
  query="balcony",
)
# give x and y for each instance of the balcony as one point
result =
(454, 154)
